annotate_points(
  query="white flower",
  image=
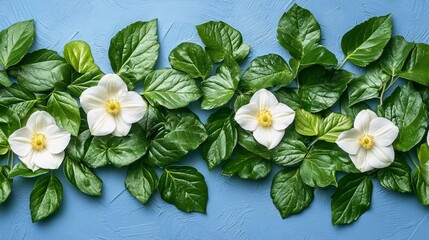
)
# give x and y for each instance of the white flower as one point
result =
(369, 143)
(111, 108)
(41, 143)
(266, 118)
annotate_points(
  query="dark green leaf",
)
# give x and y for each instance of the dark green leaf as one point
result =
(191, 59)
(79, 55)
(365, 42)
(185, 188)
(415, 68)
(289, 193)
(352, 111)
(289, 96)
(4, 79)
(18, 100)
(78, 145)
(246, 140)
(46, 197)
(65, 110)
(423, 156)
(396, 177)
(351, 199)
(421, 188)
(318, 54)
(9, 123)
(15, 41)
(82, 177)
(247, 165)
(5, 186)
(395, 54)
(84, 81)
(333, 125)
(152, 121)
(290, 151)
(242, 100)
(21, 170)
(141, 181)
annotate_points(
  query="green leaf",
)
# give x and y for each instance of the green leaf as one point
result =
(40, 70)
(134, 50)
(222, 137)
(46, 197)
(423, 156)
(352, 111)
(18, 99)
(242, 100)
(85, 81)
(79, 145)
(220, 88)
(15, 41)
(78, 54)
(368, 85)
(289, 193)
(4, 79)
(247, 165)
(415, 68)
(141, 181)
(405, 108)
(82, 177)
(5, 186)
(9, 123)
(221, 40)
(365, 42)
(185, 188)
(267, 71)
(21, 170)
(394, 55)
(152, 121)
(420, 187)
(351, 199)
(396, 177)
(191, 59)
(333, 125)
(321, 88)
(298, 31)
(289, 152)
(318, 54)
(306, 123)
(170, 88)
(289, 96)
(246, 140)
(65, 111)
(120, 151)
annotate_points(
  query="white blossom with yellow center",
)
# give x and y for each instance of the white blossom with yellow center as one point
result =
(41, 143)
(369, 143)
(111, 108)
(266, 118)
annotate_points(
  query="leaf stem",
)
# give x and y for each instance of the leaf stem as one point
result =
(11, 158)
(412, 160)
(382, 93)
(342, 63)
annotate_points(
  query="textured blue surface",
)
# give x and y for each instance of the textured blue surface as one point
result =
(237, 209)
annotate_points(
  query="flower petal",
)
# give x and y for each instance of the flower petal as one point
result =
(283, 116)
(38, 121)
(113, 84)
(93, 98)
(28, 161)
(363, 119)
(56, 139)
(360, 160)
(122, 127)
(383, 130)
(349, 141)
(46, 160)
(264, 99)
(100, 122)
(132, 107)
(246, 117)
(20, 141)
(380, 156)
(268, 136)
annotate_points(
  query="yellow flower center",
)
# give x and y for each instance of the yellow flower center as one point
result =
(366, 141)
(38, 141)
(265, 118)
(113, 106)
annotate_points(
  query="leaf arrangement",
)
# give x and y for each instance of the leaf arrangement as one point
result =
(312, 83)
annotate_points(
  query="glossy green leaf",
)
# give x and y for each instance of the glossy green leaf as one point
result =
(46, 197)
(289, 96)
(152, 121)
(9, 123)
(306, 123)
(289, 152)
(395, 54)
(242, 100)
(185, 188)
(318, 54)
(15, 41)
(219, 89)
(21, 170)
(405, 108)
(423, 156)
(298, 31)
(267, 71)
(134, 50)
(79, 145)
(141, 181)
(289, 193)
(333, 125)
(78, 54)
(351, 199)
(365, 42)
(5, 186)
(170, 88)
(247, 141)
(352, 111)
(415, 68)
(420, 187)
(222, 137)
(191, 59)
(82, 177)
(247, 165)
(65, 111)
(321, 88)
(18, 99)
(85, 81)
(396, 177)
(4, 79)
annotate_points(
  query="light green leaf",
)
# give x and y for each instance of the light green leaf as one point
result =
(78, 54)
(4, 79)
(395, 54)
(46, 197)
(306, 123)
(15, 41)
(365, 42)
(9, 123)
(170, 88)
(423, 156)
(396, 177)
(191, 59)
(420, 187)
(415, 68)
(133, 51)
(333, 125)
(185, 188)
(21, 170)
(82, 177)
(247, 165)
(65, 111)
(5, 186)
(141, 181)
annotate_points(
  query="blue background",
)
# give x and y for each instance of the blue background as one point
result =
(237, 209)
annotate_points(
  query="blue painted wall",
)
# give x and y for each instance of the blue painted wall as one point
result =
(237, 209)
